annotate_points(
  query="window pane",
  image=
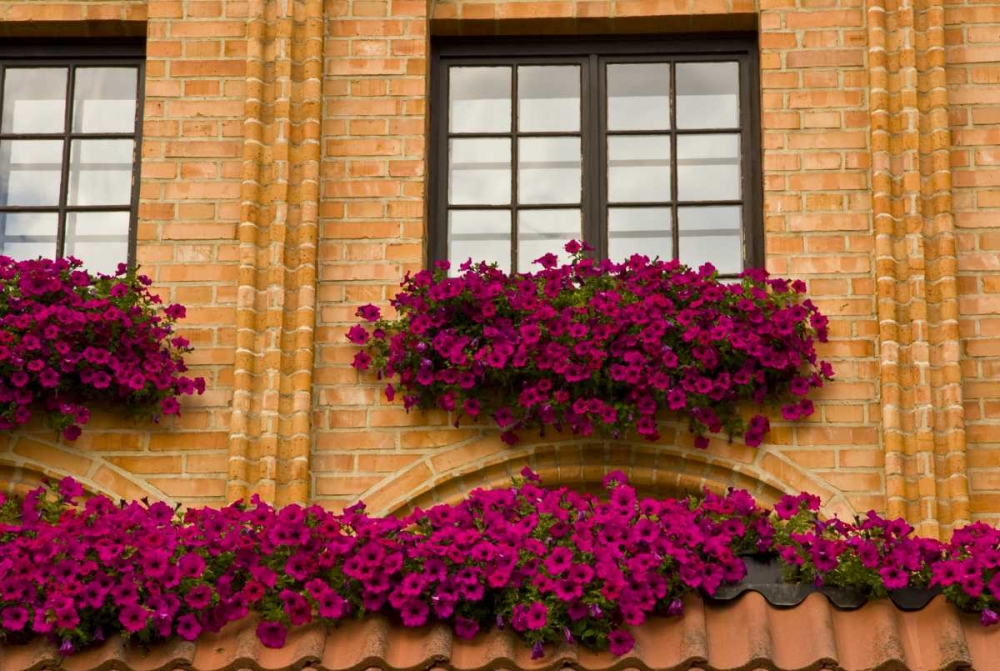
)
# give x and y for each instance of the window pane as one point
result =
(542, 231)
(479, 172)
(713, 235)
(99, 239)
(639, 230)
(480, 235)
(548, 170)
(548, 98)
(708, 95)
(638, 168)
(30, 172)
(639, 96)
(100, 172)
(34, 100)
(708, 167)
(104, 100)
(479, 100)
(28, 235)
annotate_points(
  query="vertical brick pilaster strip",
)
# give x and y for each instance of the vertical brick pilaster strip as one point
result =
(922, 424)
(942, 275)
(269, 443)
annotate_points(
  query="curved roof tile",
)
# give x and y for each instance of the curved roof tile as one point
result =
(743, 635)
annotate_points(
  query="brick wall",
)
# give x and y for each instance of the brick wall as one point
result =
(232, 139)
(973, 54)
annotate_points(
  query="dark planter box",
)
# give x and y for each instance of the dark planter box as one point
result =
(764, 577)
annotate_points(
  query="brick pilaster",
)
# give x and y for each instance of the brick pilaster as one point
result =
(269, 443)
(923, 424)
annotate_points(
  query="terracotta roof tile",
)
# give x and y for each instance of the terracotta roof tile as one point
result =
(743, 635)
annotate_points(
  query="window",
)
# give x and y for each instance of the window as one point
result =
(69, 161)
(635, 146)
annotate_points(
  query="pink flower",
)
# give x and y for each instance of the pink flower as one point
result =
(369, 313)
(358, 335)
(620, 642)
(362, 361)
(133, 618)
(188, 627)
(271, 634)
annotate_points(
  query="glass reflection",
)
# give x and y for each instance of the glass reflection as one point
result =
(100, 172)
(479, 100)
(104, 100)
(708, 95)
(639, 96)
(30, 172)
(708, 167)
(549, 170)
(480, 235)
(541, 232)
(479, 172)
(639, 230)
(548, 98)
(34, 100)
(99, 239)
(711, 235)
(638, 168)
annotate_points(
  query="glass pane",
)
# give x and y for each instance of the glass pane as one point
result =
(28, 235)
(34, 100)
(542, 231)
(638, 168)
(30, 172)
(548, 170)
(713, 235)
(639, 96)
(548, 98)
(99, 239)
(639, 230)
(708, 167)
(100, 172)
(708, 95)
(104, 100)
(480, 235)
(479, 172)
(479, 100)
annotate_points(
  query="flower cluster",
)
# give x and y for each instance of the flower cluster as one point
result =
(551, 565)
(874, 556)
(68, 338)
(599, 345)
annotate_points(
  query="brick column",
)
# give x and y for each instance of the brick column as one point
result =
(269, 443)
(923, 422)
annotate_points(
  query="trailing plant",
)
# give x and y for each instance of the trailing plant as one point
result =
(550, 565)
(69, 338)
(596, 345)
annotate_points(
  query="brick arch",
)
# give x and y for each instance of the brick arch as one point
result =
(26, 458)
(655, 469)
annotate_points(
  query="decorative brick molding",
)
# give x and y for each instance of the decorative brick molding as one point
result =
(923, 423)
(270, 441)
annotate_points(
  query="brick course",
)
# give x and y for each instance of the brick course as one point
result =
(283, 183)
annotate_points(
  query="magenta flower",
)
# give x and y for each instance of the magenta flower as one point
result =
(188, 627)
(358, 335)
(586, 346)
(272, 634)
(14, 618)
(620, 642)
(369, 313)
(134, 618)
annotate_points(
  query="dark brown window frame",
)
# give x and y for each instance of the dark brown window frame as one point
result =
(24, 52)
(591, 52)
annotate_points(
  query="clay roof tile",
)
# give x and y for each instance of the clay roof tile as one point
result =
(743, 635)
